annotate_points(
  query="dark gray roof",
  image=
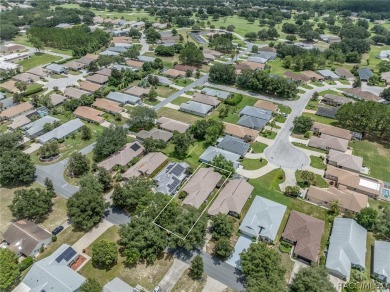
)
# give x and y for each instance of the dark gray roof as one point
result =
(329, 112)
(37, 126)
(252, 122)
(53, 273)
(170, 178)
(196, 107)
(256, 112)
(234, 145)
(215, 92)
(381, 265)
(347, 246)
(123, 98)
(265, 55)
(365, 73)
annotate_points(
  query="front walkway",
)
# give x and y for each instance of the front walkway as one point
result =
(257, 172)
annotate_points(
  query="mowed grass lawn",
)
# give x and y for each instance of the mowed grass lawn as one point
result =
(177, 115)
(317, 162)
(252, 164)
(148, 276)
(375, 155)
(320, 182)
(323, 120)
(186, 283)
(180, 100)
(258, 147)
(37, 60)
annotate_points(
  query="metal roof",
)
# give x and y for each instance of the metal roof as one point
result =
(196, 107)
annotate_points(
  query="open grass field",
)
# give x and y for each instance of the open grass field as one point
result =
(23, 40)
(375, 155)
(323, 120)
(183, 82)
(57, 216)
(165, 91)
(284, 109)
(252, 164)
(180, 100)
(177, 115)
(186, 283)
(148, 276)
(37, 60)
(329, 91)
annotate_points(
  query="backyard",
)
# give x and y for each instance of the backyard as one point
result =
(177, 115)
(38, 59)
(319, 181)
(317, 162)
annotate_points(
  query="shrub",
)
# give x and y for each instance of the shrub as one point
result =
(182, 195)
(24, 264)
(234, 99)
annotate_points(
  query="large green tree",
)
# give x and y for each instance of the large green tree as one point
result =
(222, 73)
(368, 218)
(223, 248)
(91, 285)
(302, 124)
(16, 167)
(313, 279)
(111, 140)
(141, 118)
(104, 254)
(197, 267)
(78, 164)
(33, 204)
(182, 142)
(222, 226)
(9, 269)
(222, 165)
(191, 55)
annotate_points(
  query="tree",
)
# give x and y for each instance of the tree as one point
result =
(368, 218)
(85, 209)
(135, 33)
(191, 55)
(91, 285)
(152, 95)
(37, 43)
(9, 141)
(22, 86)
(182, 142)
(383, 225)
(49, 150)
(223, 248)
(197, 267)
(314, 279)
(111, 140)
(174, 32)
(142, 117)
(32, 204)
(49, 185)
(315, 96)
(222, 226)
(104, 178)
(222, 73)
(16, 167)
(291, 38)
(335, 207)
(152, 35)
(292, 191)
(385, 94)
(93, 67)
(85, 132)
(141, 240)
(213, 131)
(307, 176)
(222, 165)
(302, 124)
(357, 83)
(104, 254)
(78, 164)
(255, 49)
(153, 145)
(262, 268)
(9, 269)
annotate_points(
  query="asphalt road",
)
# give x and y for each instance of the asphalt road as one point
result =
(199, 82)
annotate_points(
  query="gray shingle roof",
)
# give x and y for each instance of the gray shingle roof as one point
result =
(146, 59)
(209, 154)
(53, 273)
(56, 68)
(256, 112)
(347, 246)
(234, 145)
(257, 59)
(117, 49)
(123, 98)
(328, 74)
(252, 122)
(37, 126)
(265, 55)
(62, 131)
(381, 265)
(365, 73)
(170, 178)
(117, 285)
(263, 218)
(329, 112)
(214, 92)
(196, 107)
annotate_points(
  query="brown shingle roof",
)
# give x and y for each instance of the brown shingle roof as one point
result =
(306, 231)
(328, 142)
(239, 131)
(97, 78)
(57, 99)
(104, 71)
(174, 73)
(249, 65)
(172, 125)
(297, 76)
(122, 39)
(89, 114)
(200, 186)
(184, 68)
(332, 131)
(147, 165)
(41, 72)
(232, 198)
(74, 65)
(267, 49)
(312, 75)
(107, 105)
(89, 86)
(361, 94)
(124, 156)
(344, 160)
(206, 99)
(134, 63)
(26, 77)
(9, 86)
(137, 91)
(156, 134)
(75, 92)
(342, 72)
(267, 105)
(16, 110)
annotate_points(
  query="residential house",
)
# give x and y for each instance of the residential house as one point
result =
(212, 52)
(146, 59)
(208, 58)
(104, 71)
(320, 129)
(247, 65)
(328, 74)
(365, 74)
(89, 114)
(305, 233)
(196, 108)
(206, 99)
(11, 48)
(267, 55)
(57, 99)
(18, 122)
(267, 49)
(40, 72)
(54, 273)
(36, 128)
(200, 186)
(147, 165)
(134, 64)
(57, 69)
(62, 131)
(247, 134)
(118, 49)
(172, 125)
(137, 91)
(89, 86)
(328, 112)
(155, 134)
(263, 219)
(361, 94)
(232, 198)
(384, 55)
(256, 113)
(252, 122)
(170, 178)
(123, 156)
(354, 181)
(211, 152)
(216, 93)
(344, 161)
(173, 73)
(88, 59)
(98, 79)
(10, 86)
(335, 100)
(297, 77)
(350, 201)
(184, 68)
(344, 74)
(162, 79)
(312, 75)
(117, 285)
(76, 93)
(123, 98)
(16, 110)
(386, 77)
(327, 142)
(26, 238)
(347, 248)
(107, 106)
(381, 266)
(234, 145)
(26, 78)
(257, 59)
(75, 66)
(266, 105)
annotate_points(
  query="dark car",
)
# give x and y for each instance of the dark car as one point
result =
(57, 230)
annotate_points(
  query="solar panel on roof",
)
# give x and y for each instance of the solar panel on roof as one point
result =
(66, 255)
(175, 183)
(135, 147)
(177, 170)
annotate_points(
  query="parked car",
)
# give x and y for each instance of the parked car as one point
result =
(57, 230)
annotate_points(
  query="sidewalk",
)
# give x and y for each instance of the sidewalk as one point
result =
(257, 172)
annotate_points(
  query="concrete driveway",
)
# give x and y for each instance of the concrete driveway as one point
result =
(213, 285)
(173, 275)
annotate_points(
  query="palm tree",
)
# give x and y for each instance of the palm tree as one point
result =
(335, 207)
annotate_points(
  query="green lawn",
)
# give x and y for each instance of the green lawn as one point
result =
(307, 86)
(183, 82)
(329, 91)
(193, 153)
(280, 119)
(317, 162)
(320, 182)
(32, 88)
(177, 115)
(37, 60)
(258, 147)
(284, 109)
(375, 155)
(308, 147)
(317, 83)
(346, 82)
(323, 120)
(312, 105)
(180, 100)
(268, 134)
(252, 164)
(165, 91)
